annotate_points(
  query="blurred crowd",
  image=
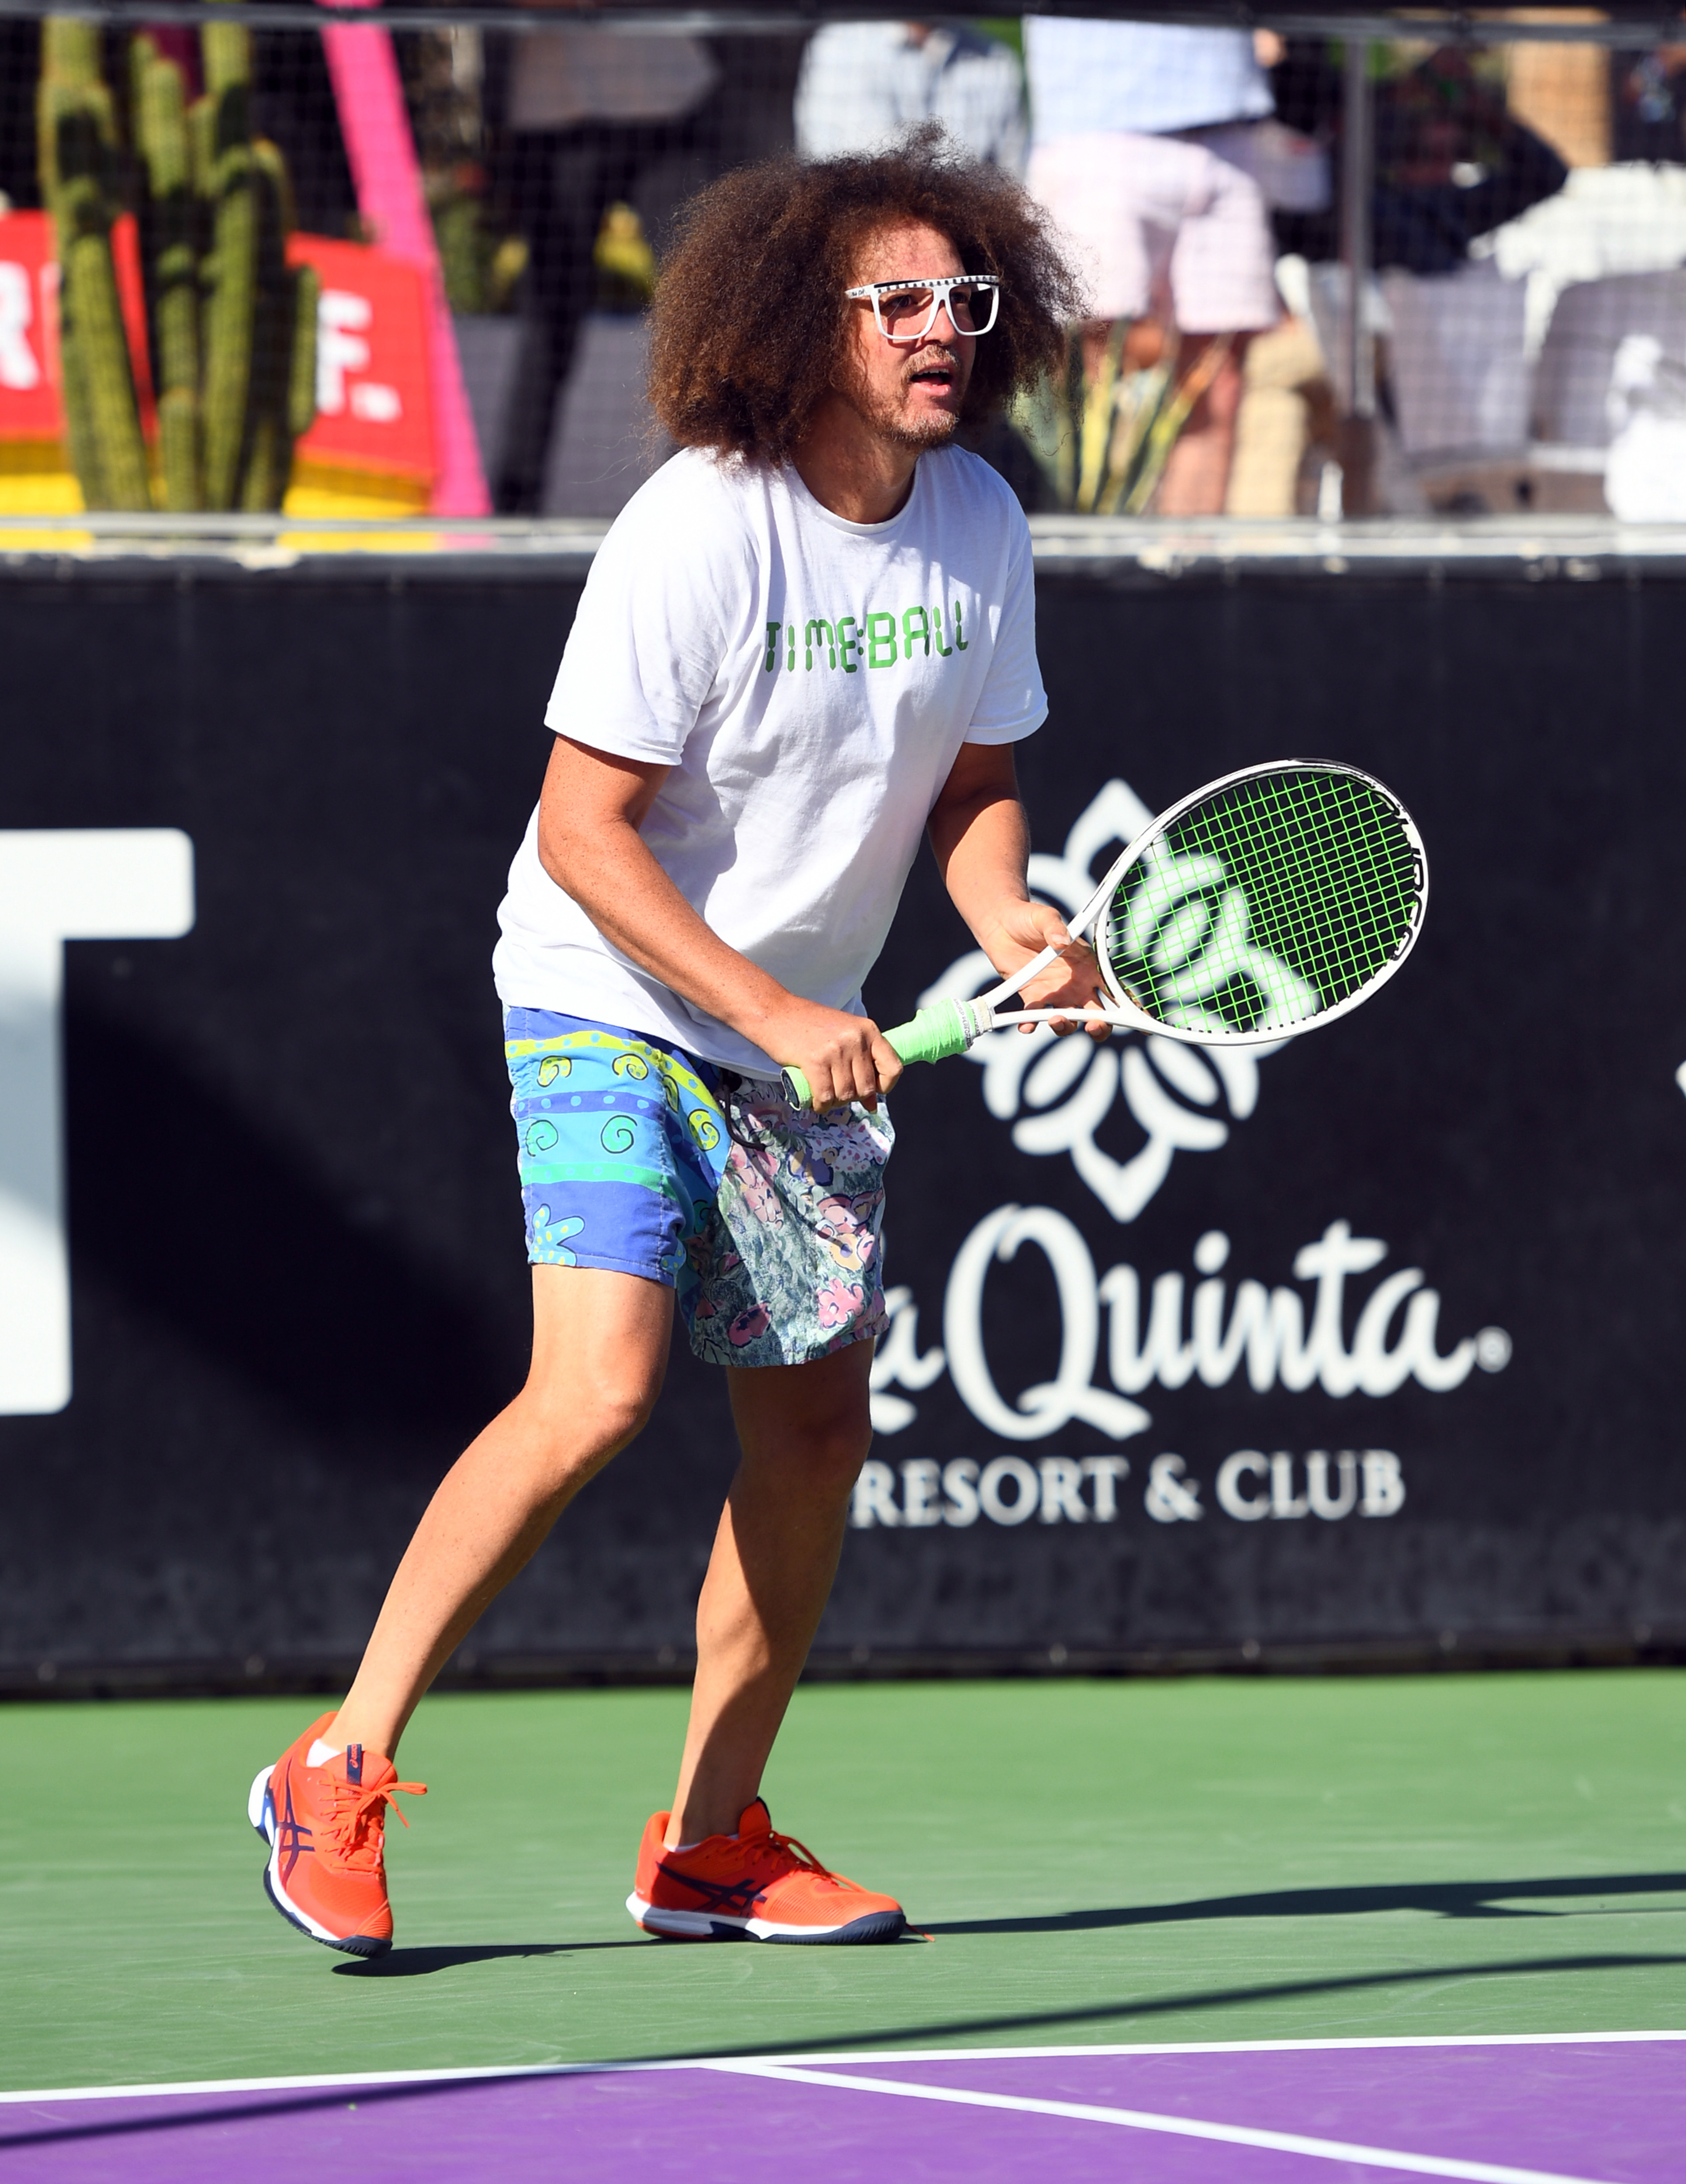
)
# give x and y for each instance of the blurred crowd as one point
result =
(1196, 174)
(1526, 208)
(1190, 168)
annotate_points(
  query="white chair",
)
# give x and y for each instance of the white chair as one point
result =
(1591, 320)
(1458, 362)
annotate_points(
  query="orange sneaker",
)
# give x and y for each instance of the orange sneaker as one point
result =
(326, 1829)
(752, 1886)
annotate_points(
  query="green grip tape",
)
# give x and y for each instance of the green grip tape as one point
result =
(931, 1036)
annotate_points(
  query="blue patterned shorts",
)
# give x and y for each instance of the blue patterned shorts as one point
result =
(634, 1157)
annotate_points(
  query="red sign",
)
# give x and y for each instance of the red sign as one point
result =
(373, 407)
(29, 407)
(29, 289)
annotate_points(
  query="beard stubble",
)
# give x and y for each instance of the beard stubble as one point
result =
(892, 422)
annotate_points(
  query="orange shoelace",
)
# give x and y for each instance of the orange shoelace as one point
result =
(788, 1852)
(357, 1822)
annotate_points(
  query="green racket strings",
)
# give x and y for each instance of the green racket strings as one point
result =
(1267, 903)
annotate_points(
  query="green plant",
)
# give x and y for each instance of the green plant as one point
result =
(77, 137)
(233, 325)
(161, 138)
(1101, 433)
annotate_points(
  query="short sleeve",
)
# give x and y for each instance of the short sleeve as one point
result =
(651, 631)
(1012, 703)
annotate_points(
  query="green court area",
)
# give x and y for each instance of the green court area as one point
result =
(1092, 1861)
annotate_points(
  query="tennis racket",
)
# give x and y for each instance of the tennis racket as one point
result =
(1263, 905)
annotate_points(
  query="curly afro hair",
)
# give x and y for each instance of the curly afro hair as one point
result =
(749, 318)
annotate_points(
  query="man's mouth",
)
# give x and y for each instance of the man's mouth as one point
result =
(939, 372)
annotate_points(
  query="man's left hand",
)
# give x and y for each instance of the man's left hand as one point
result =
(1023, 930)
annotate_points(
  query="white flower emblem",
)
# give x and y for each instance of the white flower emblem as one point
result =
(1058, 1092)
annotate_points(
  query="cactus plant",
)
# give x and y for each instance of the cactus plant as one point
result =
(77, 141)
(233, 330)
(230, 270)
(161, 136)
(282, 388)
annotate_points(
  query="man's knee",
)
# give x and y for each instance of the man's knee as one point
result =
(609, 1410)
(581, 1424)
(617, 1413)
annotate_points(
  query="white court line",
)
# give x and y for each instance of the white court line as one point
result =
(1225, 2134)
(333, 2081)
(1220, 2047)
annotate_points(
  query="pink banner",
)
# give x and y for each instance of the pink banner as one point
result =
(388, 177)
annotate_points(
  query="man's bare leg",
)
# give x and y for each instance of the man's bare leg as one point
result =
(600, 1348)
(805, 1431)
(1197, 477)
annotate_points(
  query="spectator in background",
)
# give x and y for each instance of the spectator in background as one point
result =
(1452, 163)
(1141, 135)
(864, 85)
(594, 117)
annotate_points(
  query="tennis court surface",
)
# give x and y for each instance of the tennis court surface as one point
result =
(1220, 1931)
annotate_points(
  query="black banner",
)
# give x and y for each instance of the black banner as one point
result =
(1371, 1341)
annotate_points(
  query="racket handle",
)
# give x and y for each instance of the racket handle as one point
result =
(932, 1036)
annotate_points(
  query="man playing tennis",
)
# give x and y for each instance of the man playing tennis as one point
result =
(806, 641)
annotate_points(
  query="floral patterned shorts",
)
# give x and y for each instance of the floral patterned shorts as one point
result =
(635, 1157)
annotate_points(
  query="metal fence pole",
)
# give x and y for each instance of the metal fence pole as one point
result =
(1357, 165)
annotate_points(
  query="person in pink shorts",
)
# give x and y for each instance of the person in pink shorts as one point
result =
(1142, 141)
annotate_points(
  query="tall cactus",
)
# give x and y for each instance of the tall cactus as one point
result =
(161, 136)
(301, 371)
(77, 141)
(283, 342)
(234, 330)
(230, 182)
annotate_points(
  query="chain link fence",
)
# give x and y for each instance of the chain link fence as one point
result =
(386, 264)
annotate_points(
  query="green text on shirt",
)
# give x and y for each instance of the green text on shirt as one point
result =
(872, 640)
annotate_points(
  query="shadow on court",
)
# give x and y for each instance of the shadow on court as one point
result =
(1455, 1899)
(1450, 1899)
(243, 2106)
(417, 1963)
(880, 2036)
(963, 2028)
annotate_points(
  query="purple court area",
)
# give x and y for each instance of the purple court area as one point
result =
(1614, 2111)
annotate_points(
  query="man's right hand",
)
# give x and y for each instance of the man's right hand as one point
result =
(589, 842)
(843, 1057)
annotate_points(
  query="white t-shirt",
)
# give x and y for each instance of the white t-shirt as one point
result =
(809, 681)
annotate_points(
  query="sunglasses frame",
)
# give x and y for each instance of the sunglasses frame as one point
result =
(942, 286)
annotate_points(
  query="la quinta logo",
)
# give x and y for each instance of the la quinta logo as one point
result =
(106, 884)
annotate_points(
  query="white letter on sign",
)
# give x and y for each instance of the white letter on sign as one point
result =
(341, 318)
(1245, 1464)
(19, 370)
(119, 883)
(1051, 1405)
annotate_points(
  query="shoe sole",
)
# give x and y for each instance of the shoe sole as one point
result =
(705, 1926)
(260, 1812)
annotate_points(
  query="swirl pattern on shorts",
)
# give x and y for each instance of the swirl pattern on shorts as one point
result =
(765, 1220)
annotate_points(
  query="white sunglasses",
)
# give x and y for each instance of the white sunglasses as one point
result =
(906, 310)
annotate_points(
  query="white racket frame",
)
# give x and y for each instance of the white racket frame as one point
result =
(1122, 1014)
